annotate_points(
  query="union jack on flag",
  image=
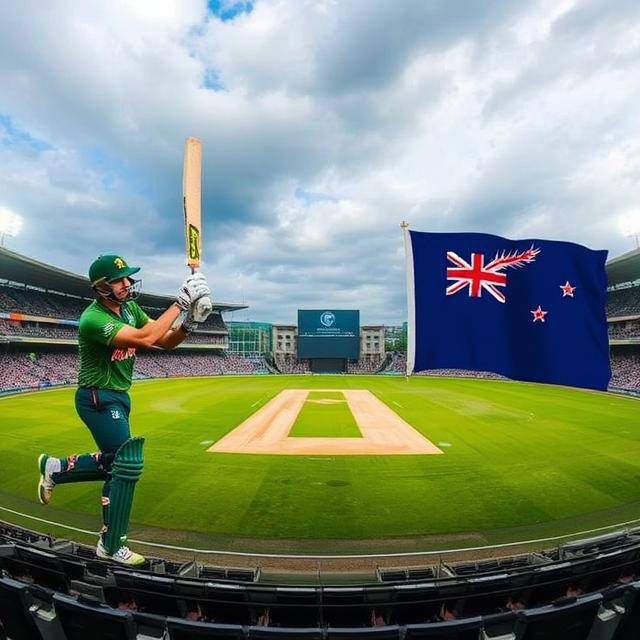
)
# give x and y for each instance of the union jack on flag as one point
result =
(478, 276)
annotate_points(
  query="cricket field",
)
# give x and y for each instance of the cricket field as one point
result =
(514, 462)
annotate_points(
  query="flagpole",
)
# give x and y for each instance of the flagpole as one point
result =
(411, 306)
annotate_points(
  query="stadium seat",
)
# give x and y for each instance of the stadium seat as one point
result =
(625, 601)
(499, 626)
(43, 567)
(374, 633)
(295, 607)
(150, 625)
(284, 633)
(16, 619)
(83, 619)
(570, 621)
(468, 629)
(187, 630)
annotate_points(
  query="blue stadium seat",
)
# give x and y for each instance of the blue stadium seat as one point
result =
(188, 630)
(570, 621)
(18, 623)
(82, 620)
(468, 629)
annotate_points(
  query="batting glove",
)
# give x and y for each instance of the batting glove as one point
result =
(193, 288)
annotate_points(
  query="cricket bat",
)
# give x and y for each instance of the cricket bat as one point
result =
(191, 204)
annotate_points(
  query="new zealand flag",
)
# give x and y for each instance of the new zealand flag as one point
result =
(527, 309)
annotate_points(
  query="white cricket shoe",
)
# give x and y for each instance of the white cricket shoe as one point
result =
(47, 465)
(123, 555)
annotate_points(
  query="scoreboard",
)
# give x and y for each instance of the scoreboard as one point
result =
(324, 333)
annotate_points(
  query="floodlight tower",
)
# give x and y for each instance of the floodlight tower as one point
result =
(10, 224)
(630, 225)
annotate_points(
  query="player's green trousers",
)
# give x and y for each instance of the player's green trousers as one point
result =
(106, 414)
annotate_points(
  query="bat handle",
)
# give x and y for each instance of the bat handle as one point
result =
(203, 306)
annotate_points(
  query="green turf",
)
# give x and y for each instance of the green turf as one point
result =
(325, 414)
(520, 461)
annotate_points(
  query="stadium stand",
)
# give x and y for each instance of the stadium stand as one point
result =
(623, 302)
(39, 370)
(55, 589)
(40, 303)
(366, 364)
(626, 370)
(288, 363)
(625, 330)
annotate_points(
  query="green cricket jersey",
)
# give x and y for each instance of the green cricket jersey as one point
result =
(101, 365)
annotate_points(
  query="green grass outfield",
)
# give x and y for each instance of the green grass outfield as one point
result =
(521, 461)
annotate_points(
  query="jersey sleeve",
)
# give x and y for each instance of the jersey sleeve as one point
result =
(141, 317)
(99, 328)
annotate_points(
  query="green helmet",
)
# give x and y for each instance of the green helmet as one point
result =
(109, 268)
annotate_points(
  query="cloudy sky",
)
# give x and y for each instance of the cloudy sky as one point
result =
(325, 123)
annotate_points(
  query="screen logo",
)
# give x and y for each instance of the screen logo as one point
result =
(327, 319)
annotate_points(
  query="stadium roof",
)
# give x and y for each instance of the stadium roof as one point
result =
(624, 268)
(22, 270)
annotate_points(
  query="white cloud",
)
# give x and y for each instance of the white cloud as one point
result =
(324, 124)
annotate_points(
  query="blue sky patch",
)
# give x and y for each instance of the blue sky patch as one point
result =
(212, 80)
(228, 10)
(11, 135)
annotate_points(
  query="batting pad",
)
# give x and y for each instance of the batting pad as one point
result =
(125, 471)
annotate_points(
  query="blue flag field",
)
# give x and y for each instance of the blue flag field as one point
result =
(530, 310)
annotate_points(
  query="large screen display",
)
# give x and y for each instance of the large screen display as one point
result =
(328, 333)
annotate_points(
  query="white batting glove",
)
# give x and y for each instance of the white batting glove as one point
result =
(201, 309)
(193, 288)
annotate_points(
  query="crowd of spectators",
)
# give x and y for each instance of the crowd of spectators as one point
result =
(33, 370)
(37, 370)
(39, 303)
(624, 330)
(168, 365)
(288, 363)
(52, 330)
(214, 322)
(623, 302)
(366, 364)
(626, 370)
(37, 329)
(58, 306)
(397, 364)
(206, 338)
(461, 373)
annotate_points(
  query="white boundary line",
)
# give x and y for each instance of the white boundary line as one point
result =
(405, 554)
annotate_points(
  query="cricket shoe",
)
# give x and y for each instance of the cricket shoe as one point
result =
(123, 555)
(47, 465)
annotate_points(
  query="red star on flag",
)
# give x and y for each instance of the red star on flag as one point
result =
(567, 289)
(539, 314)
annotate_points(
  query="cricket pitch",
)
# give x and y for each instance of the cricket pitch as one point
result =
(383, 431)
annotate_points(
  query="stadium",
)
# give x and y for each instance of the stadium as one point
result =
(439, 505)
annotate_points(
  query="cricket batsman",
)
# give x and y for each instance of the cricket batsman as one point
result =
(111, 328)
